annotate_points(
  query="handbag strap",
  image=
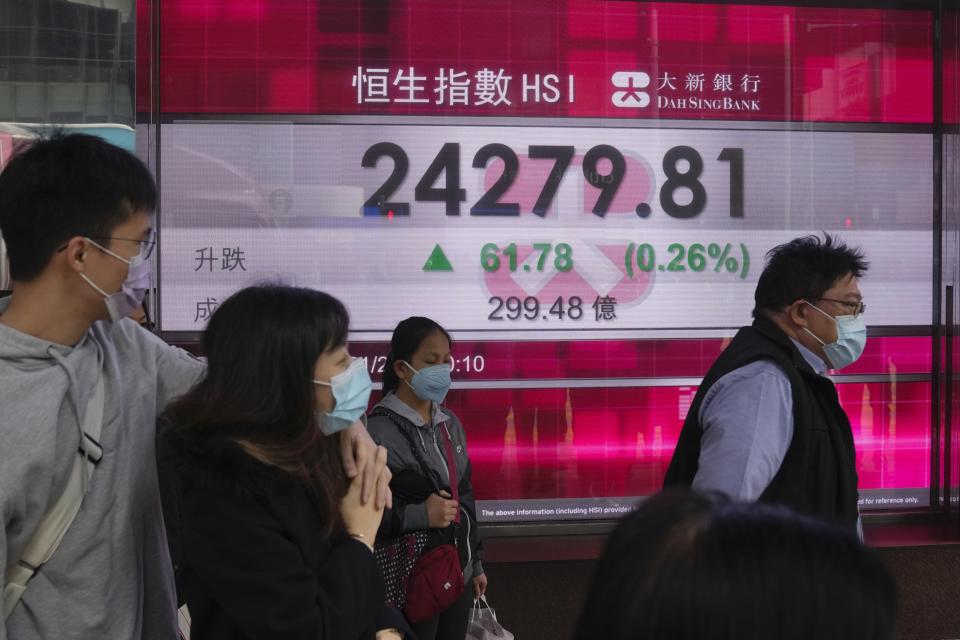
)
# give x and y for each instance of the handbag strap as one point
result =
(477, 610)
(404, 426)
(49, 533)
(451, 470)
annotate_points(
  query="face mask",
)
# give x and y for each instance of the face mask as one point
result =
(431, 383)
(351, 393)
(851, 339)
(124, 302)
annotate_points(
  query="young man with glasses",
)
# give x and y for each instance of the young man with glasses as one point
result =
(81, 387)
(766, 423)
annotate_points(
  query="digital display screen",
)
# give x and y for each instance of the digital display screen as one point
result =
(582, 192)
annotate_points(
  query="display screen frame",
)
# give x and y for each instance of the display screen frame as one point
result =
(153, 119)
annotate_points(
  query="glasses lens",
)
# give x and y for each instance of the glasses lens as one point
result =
(147, 245)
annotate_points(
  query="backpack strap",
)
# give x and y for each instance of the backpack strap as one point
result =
(406, 427)
(49, 534)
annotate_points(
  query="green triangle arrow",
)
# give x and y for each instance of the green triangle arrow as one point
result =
(437, 261)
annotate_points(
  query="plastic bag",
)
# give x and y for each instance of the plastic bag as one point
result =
(483, 623)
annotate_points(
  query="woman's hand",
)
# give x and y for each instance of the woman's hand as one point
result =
(361, 519)
(479, 586)
(441, 511)
(362, 457)
(389, 634)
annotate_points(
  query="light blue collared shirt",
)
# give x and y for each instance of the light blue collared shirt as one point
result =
(747, 420)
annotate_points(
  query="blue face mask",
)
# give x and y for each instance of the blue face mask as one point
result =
(851, 339)
(351, 392)
(431, 383)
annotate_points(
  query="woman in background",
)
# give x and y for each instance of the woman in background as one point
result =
(418, 432)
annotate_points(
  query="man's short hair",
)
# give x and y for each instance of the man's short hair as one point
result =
(63, 186)
(804, 268)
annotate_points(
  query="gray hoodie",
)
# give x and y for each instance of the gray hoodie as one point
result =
(413, 517)
(111, 576)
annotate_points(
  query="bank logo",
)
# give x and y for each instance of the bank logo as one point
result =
(630, 83)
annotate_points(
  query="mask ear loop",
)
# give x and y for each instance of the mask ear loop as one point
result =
(415, 373)
(815, 337)
(92, 284)
(130, 264)
(330, 384)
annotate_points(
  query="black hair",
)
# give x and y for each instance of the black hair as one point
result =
(407, 338)
(804, 268)
(262, 345)
(686, 566)
(63, 186)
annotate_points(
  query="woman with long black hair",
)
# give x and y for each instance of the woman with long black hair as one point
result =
(427, 447)
(273, 540)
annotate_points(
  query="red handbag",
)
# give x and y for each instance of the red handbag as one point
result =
(435, 584)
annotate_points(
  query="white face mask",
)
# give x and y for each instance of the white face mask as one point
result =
(135, 286)
(851, 339)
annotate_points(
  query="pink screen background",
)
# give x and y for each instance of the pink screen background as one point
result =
(277, 56)
(816, 64)
(602, 442)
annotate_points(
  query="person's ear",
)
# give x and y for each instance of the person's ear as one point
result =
(400, 369)
(797, 312)
(77, 252)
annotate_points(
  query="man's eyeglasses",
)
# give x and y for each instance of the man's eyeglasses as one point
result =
(147, 244)
(856, 307)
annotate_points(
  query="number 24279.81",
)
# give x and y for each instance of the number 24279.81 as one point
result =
(447, 162)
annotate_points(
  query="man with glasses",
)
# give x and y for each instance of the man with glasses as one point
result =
(766, 423)
(83, 549)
